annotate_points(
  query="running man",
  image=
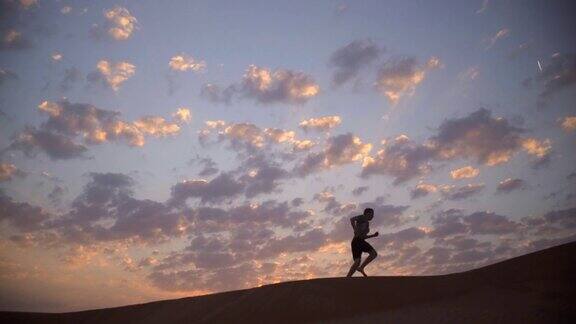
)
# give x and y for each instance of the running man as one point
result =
(361, 227)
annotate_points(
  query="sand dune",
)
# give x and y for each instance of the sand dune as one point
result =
(536, 288)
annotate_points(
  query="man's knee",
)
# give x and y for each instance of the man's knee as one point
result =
(373, 253)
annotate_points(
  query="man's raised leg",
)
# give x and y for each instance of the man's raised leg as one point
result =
(353, 267)
(369, 259)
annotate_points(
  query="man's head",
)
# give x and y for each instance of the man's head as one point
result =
(369, 213)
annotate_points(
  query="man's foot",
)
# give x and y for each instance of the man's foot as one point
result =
(362, 272)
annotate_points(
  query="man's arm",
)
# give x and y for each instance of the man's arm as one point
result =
(353, 222)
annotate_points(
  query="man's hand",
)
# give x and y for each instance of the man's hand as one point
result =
(372, 235)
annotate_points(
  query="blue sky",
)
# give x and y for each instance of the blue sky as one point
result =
(454, 119)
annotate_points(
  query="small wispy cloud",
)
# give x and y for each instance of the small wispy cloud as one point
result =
(185, 63)
(568, 123)
(112, 74)
(491, 41)
(399, 77)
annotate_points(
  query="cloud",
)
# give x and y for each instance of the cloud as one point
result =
(97, 125)
(331, 205)
(359, 190)
(302, 145)
(7, 75)
(460, 193)
(68, 121)
(541, 149)
(27, 4)
(558, 73)
(150, 125)
(466, 172)
(402, 237)
(489, 140)
(536, 147)
(112, 74)
(266, 87)
(222, 279)
(520, 49)
(8, 171)
(454, 222)
(22, 216)
(478, 136)
(56, 57)
(554, 220)
(120, 23)
(240, 135)
(340, 150)
(509, 185)
(55, 196)
(106, 212)
(14, 40)
(485, 223)
(470, 256)
(399, 77)
(462, 242)
(568, 123)
(256, 175)
(341, 8)
(107, 198)
(400, 158)
(422, 190)
(460, 252)
(262, 177)
(255, 216)
(447, 223)
(214, 93)
(297, 202)
(71, 76)
(249, 137)
(322, 124)
(348, 60)
(209, 167)
(470, 74)
(185, 63)
(56, 146)
(309, 241)
(66, 10)
(182, 115)
(239, 246)
(565, 218)
(216, 190)
(484, 6)
(501, 34)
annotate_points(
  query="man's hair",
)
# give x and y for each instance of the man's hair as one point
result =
(368, 210)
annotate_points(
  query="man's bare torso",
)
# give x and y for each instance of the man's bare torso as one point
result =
(362, 226)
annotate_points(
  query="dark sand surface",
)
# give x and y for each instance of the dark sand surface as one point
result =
(535, 288)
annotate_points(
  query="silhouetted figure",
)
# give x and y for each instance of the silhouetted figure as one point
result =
(361, 227)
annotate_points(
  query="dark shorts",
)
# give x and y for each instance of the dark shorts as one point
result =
(358, 246)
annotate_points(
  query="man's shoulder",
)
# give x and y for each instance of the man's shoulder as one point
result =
(360, 218)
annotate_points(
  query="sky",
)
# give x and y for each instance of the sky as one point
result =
(161, 149)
